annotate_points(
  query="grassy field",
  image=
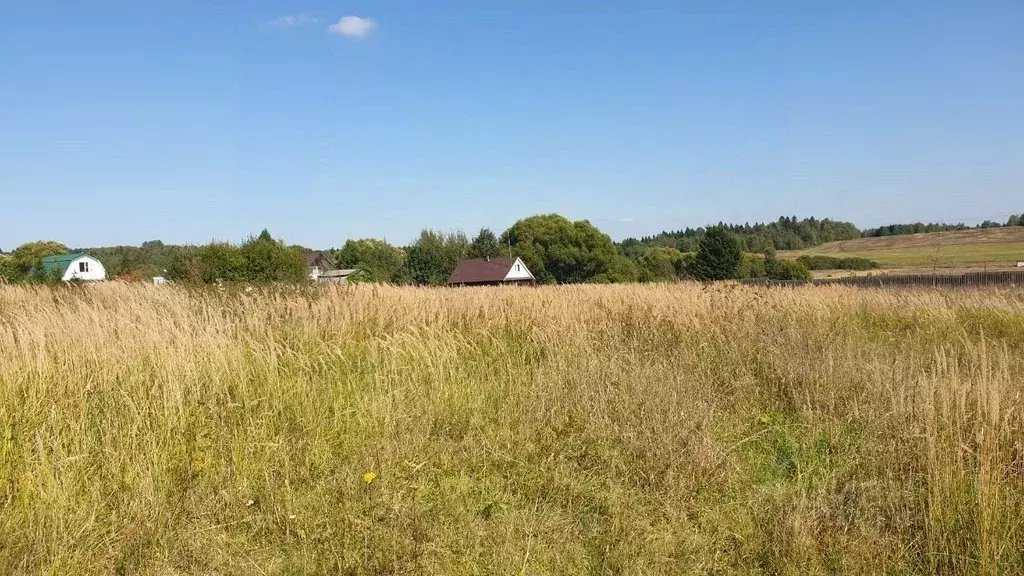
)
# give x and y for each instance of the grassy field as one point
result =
(948, 249)
(660, 429)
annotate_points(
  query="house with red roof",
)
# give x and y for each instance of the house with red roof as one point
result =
(491, 272)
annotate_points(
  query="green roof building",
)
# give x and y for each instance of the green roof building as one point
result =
(74, 267)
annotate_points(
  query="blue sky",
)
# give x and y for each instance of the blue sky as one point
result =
(122, 121)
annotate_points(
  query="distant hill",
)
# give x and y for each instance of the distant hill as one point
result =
(975, 246)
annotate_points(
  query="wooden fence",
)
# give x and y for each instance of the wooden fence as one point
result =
(968, 280)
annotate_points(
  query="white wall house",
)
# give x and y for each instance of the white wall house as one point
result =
(81, 267)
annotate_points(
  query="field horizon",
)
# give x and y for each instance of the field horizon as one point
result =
(967, 249)
(616, 429)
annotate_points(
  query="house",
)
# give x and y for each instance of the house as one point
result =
(337, 276)
(317, 263)
(74, 267)
(491, 272)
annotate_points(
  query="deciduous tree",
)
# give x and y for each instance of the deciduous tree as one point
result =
(485, 245)
(268, 260)
(28, 256)
(9, 270)
(378, 260)
(434, 256)
(660, 264)
(557, 250)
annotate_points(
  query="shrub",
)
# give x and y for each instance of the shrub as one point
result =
(752, 266)
(268, 260)
(791, 270)
(834, 263)
(259, 260)
(9, 270)
(785, 269)
(620, 269)
(686, 265)
(215, 262)
(659, 264)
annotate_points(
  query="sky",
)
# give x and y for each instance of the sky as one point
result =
(125, 121)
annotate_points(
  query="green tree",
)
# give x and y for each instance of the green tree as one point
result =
(185, 265)
(214, 262)
(686, 265)
(378, 260)
(660, 264)
(434, 255)
(152, 258)
(619, 270)
(28, 257)
(9, 270)
(557, 250)
(772, 264)
(268, 260)
(718, 255)
(221, 262)
(485, 245)
(786, 233)
(751, 266)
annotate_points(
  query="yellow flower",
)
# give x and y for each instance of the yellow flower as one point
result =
(369, 477)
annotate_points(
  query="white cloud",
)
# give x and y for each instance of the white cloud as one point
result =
(627, 219)
(354, 26)
(292, 21)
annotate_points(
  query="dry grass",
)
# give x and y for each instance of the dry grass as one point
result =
(573, 430)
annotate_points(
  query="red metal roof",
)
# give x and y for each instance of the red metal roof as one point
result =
(482, 271)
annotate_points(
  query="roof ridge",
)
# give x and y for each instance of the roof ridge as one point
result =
(482, 270)
(65, 255)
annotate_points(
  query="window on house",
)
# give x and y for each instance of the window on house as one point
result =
(517, 267)
(83, 266)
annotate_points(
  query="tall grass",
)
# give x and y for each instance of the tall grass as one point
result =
(573, 430)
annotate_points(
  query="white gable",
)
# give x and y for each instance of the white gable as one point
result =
(85, 268)
(518, 271)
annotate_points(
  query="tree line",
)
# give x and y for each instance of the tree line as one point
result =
(560, 251)
(554, 248)
(922, 228)
(788, 233)
(259, 259)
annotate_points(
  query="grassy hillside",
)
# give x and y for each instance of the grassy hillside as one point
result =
(993, 245)
(659, 429)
